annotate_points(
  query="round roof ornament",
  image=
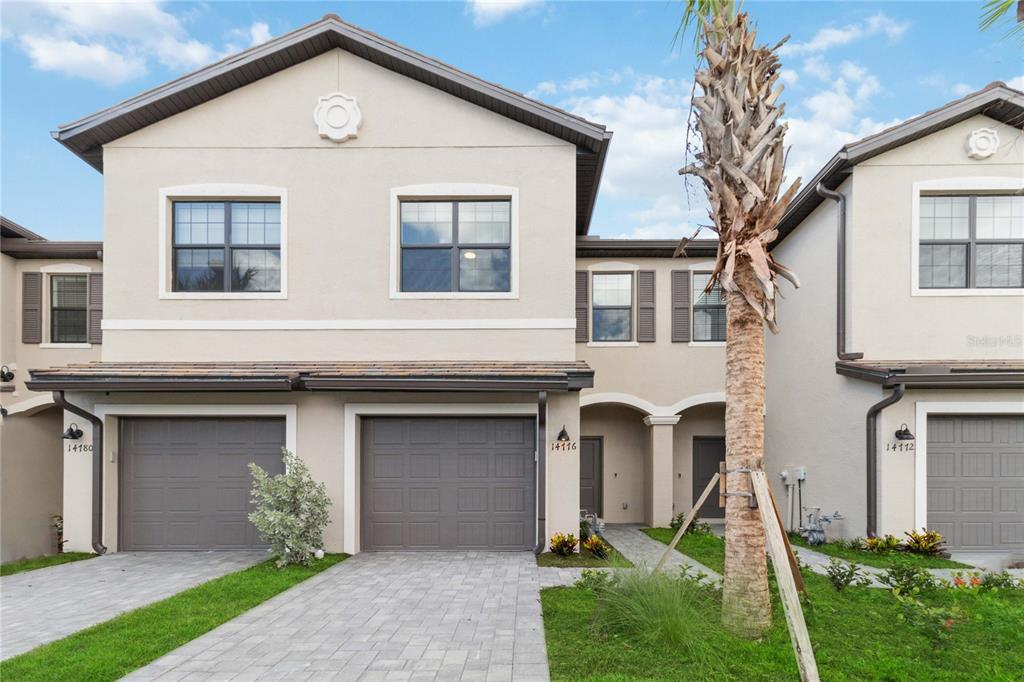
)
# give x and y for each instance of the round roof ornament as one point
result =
(982, 143)
(337, 116)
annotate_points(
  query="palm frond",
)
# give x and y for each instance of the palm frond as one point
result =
(697, 13)
(995, 11)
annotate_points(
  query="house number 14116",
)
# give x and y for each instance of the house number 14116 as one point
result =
(563, 445)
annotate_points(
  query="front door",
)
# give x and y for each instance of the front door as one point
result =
(591, 457)
(708, 453)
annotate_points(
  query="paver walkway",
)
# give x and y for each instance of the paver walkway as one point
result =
(40, 606)
(645, 551)
(384, 616)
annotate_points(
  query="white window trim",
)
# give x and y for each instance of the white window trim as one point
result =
(613, 344)
(615, 268)
(339, 325)
(61, 269)
(225, 191)
(922, 410)
(454, 191)
(351, 524)
(695, 270)
(705, 344)
(969, 184)
(610, 266)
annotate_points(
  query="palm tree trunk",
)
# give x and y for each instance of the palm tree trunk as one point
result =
(746, 604)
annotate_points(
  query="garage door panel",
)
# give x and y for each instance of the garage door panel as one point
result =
(1011, 533)
(512, 465)
(423, 534)
(185, 481)
(1011, 500)
(425, 466)
(976, 500)
(941, 464)
(425, 500)
(977, 430)
(1011, 464)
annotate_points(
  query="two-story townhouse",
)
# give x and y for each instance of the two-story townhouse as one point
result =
(897, 381)
(333, 244)
(50, 307)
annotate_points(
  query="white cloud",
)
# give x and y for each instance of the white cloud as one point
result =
(961, 89)
(259, 33)
(93, 61)
(488, 12)
(1017, 82)
(816, 66)
(831, 36)
(789, 76)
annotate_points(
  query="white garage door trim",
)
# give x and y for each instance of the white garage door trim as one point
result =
(922, 410)
(354, 410)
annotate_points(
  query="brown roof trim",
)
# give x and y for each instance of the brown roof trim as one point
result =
(996, 100)
(590, 247)
(170, 384)
(9, 228)
(86, 136)
(922, 375)
(32, 248)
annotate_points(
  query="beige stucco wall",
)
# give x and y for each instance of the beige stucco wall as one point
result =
(625, 443)
(703, 420)
(887, 322)
(563, 467)
(30, 483)
(338, 218)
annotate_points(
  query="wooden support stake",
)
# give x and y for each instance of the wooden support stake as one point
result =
(793, 565)
(722, 487)
(686, 523)
(798, 634)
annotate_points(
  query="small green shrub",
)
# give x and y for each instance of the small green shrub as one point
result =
(842, 575)
(909, 579)
(935, 621)
(594, 580)
(856, 544)
(584, 529)
(699, 527)
(562, 544)
(291, 511)
(882, 545)
(1001, 581)
(927, 542)
(596, 546)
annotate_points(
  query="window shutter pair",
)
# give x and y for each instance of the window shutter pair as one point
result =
(645, 303)
(680, 306)
(32, 308)
(582, 306)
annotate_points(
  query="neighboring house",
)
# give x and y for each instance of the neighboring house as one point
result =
(336, 245)
(50, 298)
(928, 337)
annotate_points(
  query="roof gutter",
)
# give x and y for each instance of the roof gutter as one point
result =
(97, 468)
(840, 199)
(872, 456)
(542, 446)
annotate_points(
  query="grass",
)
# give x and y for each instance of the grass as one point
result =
(584, 560)
(110, 650)
(886, 560)
(22, 565)
(857, 634)
(704, 547)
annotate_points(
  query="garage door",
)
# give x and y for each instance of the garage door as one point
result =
(450, 483)
(185, 482)
(976, 481)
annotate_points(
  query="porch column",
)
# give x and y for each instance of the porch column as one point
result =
(658, 467)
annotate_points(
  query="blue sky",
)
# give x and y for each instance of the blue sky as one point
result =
(852, 68)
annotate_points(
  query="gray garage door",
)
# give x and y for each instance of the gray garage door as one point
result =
(185, 482)
(452, 483)
(976, 481)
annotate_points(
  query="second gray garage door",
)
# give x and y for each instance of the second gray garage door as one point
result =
(185, 481)
(448, 483)
(976, 481)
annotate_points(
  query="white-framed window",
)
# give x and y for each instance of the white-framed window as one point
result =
(69, 308)
(454, 240)
(611, 310)
(223, 241)
(708, 310)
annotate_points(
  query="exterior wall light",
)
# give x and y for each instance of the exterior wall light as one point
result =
(563, 435)
(903, 433)
(6, 374)
(73, 432)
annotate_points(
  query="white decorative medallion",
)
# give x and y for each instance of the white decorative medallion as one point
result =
(337, 116)
(982, 143)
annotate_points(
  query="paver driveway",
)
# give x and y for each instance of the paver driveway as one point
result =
(383, 616)
(40, 606)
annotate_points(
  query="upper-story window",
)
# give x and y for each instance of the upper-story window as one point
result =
(971, 242)
(455, 246)
(708, 310)
(227, 246)
(69, 308)
(613, 307)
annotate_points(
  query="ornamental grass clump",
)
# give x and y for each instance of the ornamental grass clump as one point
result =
(291, 511)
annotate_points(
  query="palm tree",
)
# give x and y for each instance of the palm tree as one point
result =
(992, 11)
(737, 116)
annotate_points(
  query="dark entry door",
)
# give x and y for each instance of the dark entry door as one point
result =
(591, 468)
(708, 453)
(448, 483)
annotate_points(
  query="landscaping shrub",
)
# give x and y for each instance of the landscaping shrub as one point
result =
(927, 542)
(856, 544)
(291, 511)
(594, 580)
(909, 579)
(1001, 581)
(562, 544)
(596, 546)
(584, 529)
(882, 545)
(842, 575)
(698, 526)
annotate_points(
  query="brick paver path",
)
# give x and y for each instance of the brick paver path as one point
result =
(644, 551)
(40, 606)
(384, 616)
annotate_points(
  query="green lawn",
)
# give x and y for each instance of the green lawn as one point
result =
(583, 560)
(874, 559)
(857, 635)
(22, 565)
(110, 650)
(704, 547)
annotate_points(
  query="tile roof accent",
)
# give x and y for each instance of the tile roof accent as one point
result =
(937, 373)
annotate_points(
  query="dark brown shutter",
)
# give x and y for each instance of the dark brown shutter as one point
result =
(582, 306)
(31, 307)
(645, 299)
(95, 309)
(680, 306)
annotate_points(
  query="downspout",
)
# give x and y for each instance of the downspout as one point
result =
(97, 468)
(840, 199)
(872, 455)
(542, 446)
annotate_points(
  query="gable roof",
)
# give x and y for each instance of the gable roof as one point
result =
(17, 241)
(996, 100)
(86, 136)
(11, 229)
